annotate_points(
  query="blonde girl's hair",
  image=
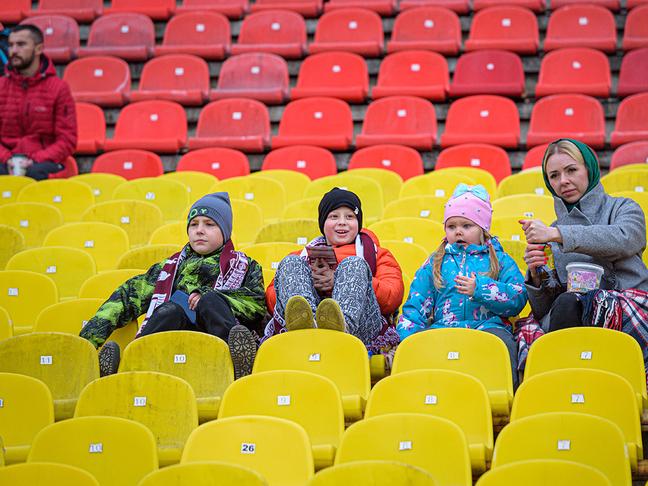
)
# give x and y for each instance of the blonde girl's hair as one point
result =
(437, 260)
(562, 147)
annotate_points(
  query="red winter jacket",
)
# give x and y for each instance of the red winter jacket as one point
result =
(37, 115)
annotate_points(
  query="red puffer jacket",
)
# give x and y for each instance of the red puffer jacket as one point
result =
(37, 115)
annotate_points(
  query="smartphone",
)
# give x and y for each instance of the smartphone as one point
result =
(324, 252)
(182, 299)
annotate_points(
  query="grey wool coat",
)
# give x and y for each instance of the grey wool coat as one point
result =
(605, 230)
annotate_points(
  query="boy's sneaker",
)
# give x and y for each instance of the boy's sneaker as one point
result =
(109, 357)
(243, 349)
(329, 316)
(299, 314)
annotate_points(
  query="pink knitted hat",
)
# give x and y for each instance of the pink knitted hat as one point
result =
(470, 202)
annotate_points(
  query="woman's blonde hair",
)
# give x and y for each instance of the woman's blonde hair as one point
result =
(562, 147)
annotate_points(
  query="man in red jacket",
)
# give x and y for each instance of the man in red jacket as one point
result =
(38, 128)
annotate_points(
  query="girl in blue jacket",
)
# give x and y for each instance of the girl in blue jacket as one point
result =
(469, 281)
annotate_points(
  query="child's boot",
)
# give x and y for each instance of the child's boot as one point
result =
(243, 349)
(329, 316)
(109, 357)
(299, 314)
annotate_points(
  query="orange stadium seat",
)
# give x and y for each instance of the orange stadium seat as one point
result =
(233, 9)
(218, 161)
(581, 26)
(478, 155)
(482, 119)
(341, 75)
(632, 75)
(91, 128)
(403, 120)
(183, 78)
(537, 6)
(413, 73)
(609, 4)
(574, 70)
(429, 28)
(405, 161)
(160, 126)
(315, 162)
(494, 72)
(279, 32)
(533, 157)
(84, 11)
(61, 35)
(70, 169)
(257, 75)
(307, 8)
(385, 8)
(127, 35)
(325, 122)
(13, 11)
(509, 27)
(156, 9)
(567, 115)
(235, 123)
(130, 164)
(204, 34)
(635, 33)
(631, 121)
(350, 29)
(103, 80)
(630, 153)
(458, 6)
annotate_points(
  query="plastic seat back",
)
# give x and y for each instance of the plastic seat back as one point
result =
(42, 474)
(203, 474)
(627, 154)
(525, 182)
(426, 207)
(83, 11)
(130, 36)
(146, 256)
(435, 184)
(581, 26)
(299, 231)
(11, 185)
(70, 197)
(138, 218)
(635, 33)
(69, 316)
(248, 218)
(627, 180)
(91, 128)
(23, 295)
(428, 28)
(61, 34)
(369, 191)
(495, 72)
(197, 183)
(204, 34)
(103, 80)
(405, 161)
(13, 242)
(410, 256)
(101, 286)
(170, 234)
(381, 473)
(13, 11)
(420, 231)
(170, 196)
(315, 162)
(221, 162)
(490, 158)
(281, 32)
(302, 209)
(356, 30)
(509, 27)
(631, 79)
(129, 164)
(268, 194)
(536, 472)
(269, 255)
(630, 123)
(156, 9)
(389, 181)
(527, 206)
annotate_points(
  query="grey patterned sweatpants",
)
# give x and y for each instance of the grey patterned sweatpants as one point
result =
(352, 289)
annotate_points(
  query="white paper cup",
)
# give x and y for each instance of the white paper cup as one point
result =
(583, 277)
(18, 162)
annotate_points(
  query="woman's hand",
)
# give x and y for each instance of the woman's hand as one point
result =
(535, 257)
(194, 298)
(322, 276)
(536, 231)
(466, 285)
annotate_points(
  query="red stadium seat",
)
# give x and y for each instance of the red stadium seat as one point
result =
(315, 162)
(218, 161)
(156, 9)
(574, 70)
(429, 28)
(385, 8)
(405, 161)
(631, 120)
(632, 75)
(413, 73)
(533, 157)
(91, 128)
(482, 119)
(324, 122)
(341, 75)
(401, 120)
(130, 164)
(350, 29)
(13, 11)
(83, 11)
(70, 169)
(537, 6)
(257, 75)
(504, 27)
(177, 77)
(630, 4)
(488, 72)
(276, 31)
(128, 35)
(159, 126)
(609, 4)
(567, 115)
(478, 155)
(61, 35)
(233, 9)
(307, 8)
(458, 6)
(630, 153)
(635, 33)
(235, 123)
(581, 26)
(102, 80)
(203, 34)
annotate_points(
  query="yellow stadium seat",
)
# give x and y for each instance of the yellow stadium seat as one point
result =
(114, 450)
(595, 392)
(6, 326)
(103, 184)
(435, 184)
(102, 285)
(508, 228)
(45, 474)
(338, 356)
(480, 176)
(33, 220)
(170, 234)
(268, 194)
(374, 473)
(139, 219)
(525, 182)
(423, 232)
(68, 267)
(293, 182)
(299, 231)
(268, 255)
(410, 256)
(455, 396)
(577, 437)
(426, 207)
(469, 351)
(69, 316)
(390, 181)
(590, 347)
(637, 166)
(516, 250)
(12, 242)
(247, 221)
(368, 190)
(626, 180)
(104, 242)
(165, 404)
(11, 185)
(26, 408)
(208, 473)
(65, 363)
(525, 206)
(72, 198)
(278, 449)
(407, 282)
(306, 208)
(311, 400)
(268, 276)
(198, 184)
(434, 444)
(23, 295)
(199, 358)
(146, 256)
(541, 472)
(171, 197)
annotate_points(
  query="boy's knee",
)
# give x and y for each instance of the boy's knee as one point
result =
(291, 264)
(354, 264)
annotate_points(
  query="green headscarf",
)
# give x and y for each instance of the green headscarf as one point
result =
(591, 164)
